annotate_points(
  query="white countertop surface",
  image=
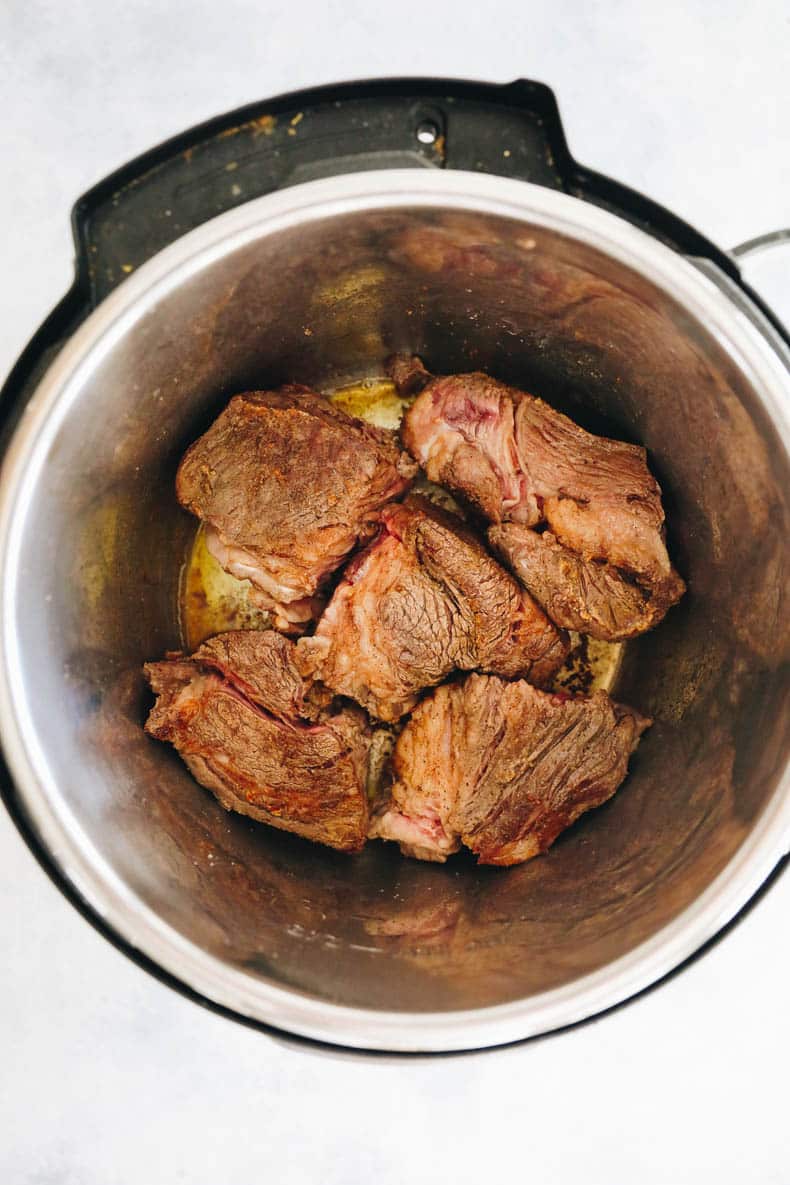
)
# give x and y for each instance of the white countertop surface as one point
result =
(106, 1076)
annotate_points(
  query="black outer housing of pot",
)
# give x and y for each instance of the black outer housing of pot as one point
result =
(511, 130)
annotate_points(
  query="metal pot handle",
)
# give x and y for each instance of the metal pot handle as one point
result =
(750, 304)
(773, 238)
(765, 283)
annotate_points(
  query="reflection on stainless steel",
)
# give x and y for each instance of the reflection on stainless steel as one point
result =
(318, 285)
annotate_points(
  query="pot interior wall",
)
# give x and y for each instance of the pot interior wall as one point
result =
(105, 541)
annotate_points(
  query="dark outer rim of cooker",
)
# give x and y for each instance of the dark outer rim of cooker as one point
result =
(72, 309)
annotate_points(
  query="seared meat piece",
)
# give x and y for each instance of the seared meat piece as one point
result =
(502, 768)
(234, 712)
(424, 599)
(591, 596)
(261, 664)
(517, 460)
(288, 485)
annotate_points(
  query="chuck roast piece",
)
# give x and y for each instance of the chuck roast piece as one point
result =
(288, 485)
(235, 711)
(423, 599)
(517, 460)
(502, 768)
(591, 596)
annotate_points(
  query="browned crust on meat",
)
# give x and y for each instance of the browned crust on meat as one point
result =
(591, 596)
(293, 483)
(239, 733)
(503, 768)
(516, 460)
(424, 599)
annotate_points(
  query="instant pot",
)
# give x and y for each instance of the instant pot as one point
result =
(304, 239)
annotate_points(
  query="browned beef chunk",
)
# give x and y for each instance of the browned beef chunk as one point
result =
(261, 665)
(287, 485)
(502, 768)
(591, 596)
(424, 599)
(234, 711)
(517, 460)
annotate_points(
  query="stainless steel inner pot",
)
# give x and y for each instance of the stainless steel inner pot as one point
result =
(317, 284)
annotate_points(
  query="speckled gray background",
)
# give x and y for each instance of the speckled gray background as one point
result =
(106, 1076)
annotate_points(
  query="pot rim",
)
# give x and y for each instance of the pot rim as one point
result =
(758, 352)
